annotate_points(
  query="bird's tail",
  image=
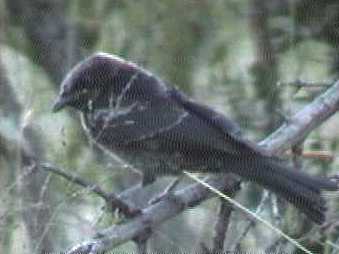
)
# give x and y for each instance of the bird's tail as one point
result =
(300, 189)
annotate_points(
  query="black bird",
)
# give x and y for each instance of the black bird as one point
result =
(158, 130)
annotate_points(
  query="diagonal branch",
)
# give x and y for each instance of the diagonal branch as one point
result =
(291, 133)
(303, 122)
(154, 215)
(110, 198)
(75, 179)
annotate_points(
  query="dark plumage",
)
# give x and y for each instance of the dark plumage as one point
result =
(158, 130)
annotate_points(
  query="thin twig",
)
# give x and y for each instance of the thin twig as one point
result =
(110, 198)
(307, 84)
(252, 223)
(75, 179)
(319, 155)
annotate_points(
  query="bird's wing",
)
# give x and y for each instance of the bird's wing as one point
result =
(215, 129)
(140, 121)
(173, 121)
(215, 119)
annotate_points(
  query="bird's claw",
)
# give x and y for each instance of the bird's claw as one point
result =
(167, 193)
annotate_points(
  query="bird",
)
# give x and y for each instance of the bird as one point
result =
(155, 128)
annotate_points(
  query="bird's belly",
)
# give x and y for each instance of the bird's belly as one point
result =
(150, 161)
(157, 155)
(158, 160)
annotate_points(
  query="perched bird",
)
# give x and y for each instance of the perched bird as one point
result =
(158, 130)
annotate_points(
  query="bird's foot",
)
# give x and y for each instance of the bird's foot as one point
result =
(117, 204)
(167, 193)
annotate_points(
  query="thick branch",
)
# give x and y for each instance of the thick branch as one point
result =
(154, 215)
(300, 125)
(303, 122)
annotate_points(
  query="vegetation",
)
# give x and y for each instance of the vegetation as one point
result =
(257, 61)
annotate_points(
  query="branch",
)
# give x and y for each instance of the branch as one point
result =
(299, 83)
(221, 225)
(319, 155)
(110, 198)
(75, 179)
(251, 224)
(303, 122)
(291, 133)
(154, 215)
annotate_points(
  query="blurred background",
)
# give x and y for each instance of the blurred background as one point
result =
(257, 61)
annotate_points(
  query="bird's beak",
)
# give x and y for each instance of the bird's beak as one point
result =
(60, 103)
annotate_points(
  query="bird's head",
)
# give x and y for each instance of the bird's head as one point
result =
(95, 83)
